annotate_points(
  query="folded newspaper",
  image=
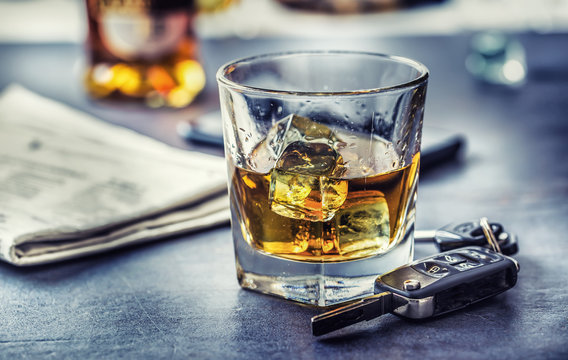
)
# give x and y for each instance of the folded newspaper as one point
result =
(72, 185)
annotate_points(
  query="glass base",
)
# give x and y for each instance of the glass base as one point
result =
(319, 284)
(321, 291)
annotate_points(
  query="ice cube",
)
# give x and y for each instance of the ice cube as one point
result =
(303, 185)
(363, 224)
(308, 158)
(284, 132)
(264, 155)
(302, 128)
(291, 237)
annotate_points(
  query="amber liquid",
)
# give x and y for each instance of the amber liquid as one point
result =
(367, 223)
(141, 51)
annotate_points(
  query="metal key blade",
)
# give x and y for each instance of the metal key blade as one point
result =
(363, 310)
(425, 235)
(489, 234)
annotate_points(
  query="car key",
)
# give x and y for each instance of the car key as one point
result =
(456, 235)
(428, 287)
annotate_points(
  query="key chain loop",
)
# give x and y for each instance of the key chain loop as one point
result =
(489, 235)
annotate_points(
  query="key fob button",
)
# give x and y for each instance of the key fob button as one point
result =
(451, 259)
(494, 257)
(431, 268)
(464, 266)
(484, 257)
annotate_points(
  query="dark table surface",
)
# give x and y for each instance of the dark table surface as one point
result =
(179, 298)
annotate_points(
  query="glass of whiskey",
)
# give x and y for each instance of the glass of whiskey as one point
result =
(323, 152)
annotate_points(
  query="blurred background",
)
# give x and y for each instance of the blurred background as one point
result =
(64, 20)
(217, 31)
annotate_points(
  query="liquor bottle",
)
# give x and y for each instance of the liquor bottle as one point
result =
(143, 50)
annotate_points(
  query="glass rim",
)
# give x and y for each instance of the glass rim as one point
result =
(230, 66)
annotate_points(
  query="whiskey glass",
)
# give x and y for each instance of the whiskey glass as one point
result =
(323, 152)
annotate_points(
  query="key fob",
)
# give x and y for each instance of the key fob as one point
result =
(456, 235)
(448, 281)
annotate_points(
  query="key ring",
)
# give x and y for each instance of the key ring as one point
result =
(489, 235)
